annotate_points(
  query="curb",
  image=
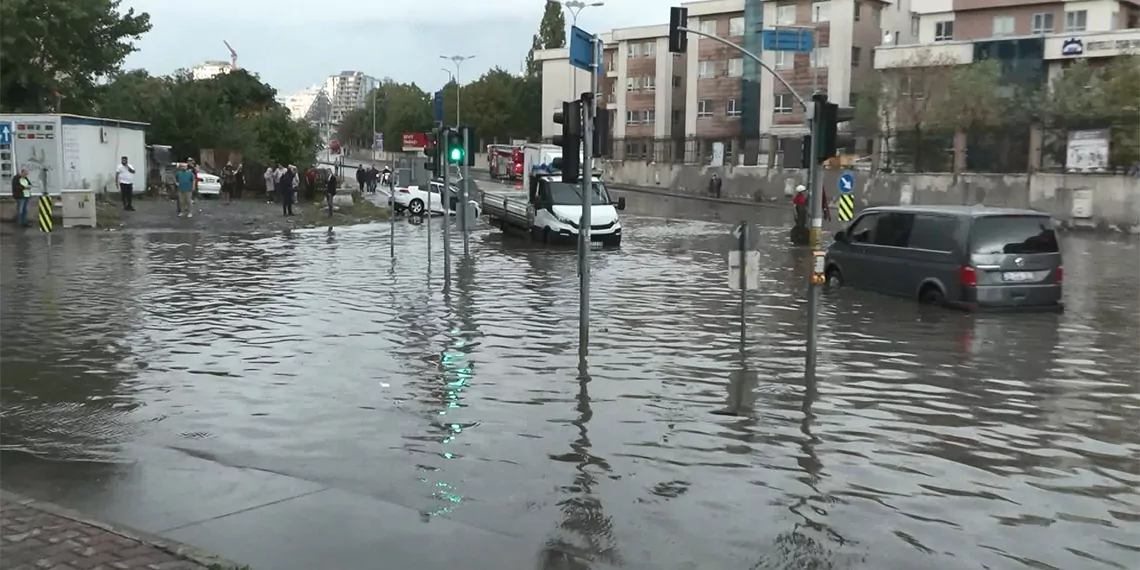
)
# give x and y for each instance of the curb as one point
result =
(177, 549)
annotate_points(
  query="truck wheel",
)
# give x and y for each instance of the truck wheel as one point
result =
(416, 207)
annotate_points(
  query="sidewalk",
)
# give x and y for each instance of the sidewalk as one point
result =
(44, 536)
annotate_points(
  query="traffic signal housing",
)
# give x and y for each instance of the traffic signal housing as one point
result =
(431, 151)
(602, 142)
(833, 114)
(678, 38)
(456, 154)
(570, 140)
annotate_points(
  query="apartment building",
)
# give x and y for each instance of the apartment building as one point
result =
(675, 106)
(1035, 39)
(347, 91)
(311, 104)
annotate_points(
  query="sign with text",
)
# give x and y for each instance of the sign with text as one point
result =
(414, 142)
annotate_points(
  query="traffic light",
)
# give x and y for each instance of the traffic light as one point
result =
(570, 140)
(678, 38)
(431, 151)
(456, 154)
(471, 144)
(805, 152)
(833, 114)
(602, 141)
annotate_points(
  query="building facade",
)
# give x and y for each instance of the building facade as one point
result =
(347, 91)
(210, 69)
(675, 107)
(311, 104)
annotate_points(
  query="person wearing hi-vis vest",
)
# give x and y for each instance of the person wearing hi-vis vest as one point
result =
(22, 192)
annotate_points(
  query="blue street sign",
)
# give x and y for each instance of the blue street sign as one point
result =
(794, 40)
(582, 52)
(600, 59)
(5, 132)
(437, 106)
(379, 142)
(846, 183)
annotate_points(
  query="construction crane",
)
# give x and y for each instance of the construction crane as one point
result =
(233, 54)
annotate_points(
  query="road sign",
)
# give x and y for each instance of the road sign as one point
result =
(5, 132)
(44, 216)
(846, 183)
(846, 207)
(751, 270)
(582, 50)
(794, 40)
(414, 142)
(378, 142)
(437, 106)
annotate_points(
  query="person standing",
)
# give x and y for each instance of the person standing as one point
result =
(186, 182)
(239, 180)
(330, 191)
(125, 179)
(287, 184)
(22, 192)
(361, 176)
(269, 184)
(714, 185)
(227, 183)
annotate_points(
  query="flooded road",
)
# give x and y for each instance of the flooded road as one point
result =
(933, 439)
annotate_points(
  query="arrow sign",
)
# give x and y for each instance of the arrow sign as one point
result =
(847, 183)
(5, 133)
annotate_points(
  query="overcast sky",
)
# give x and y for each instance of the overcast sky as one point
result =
(295, 43)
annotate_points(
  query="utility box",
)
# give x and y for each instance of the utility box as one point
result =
(78, 208)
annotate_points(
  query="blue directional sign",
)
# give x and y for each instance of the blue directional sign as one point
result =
(582, 50)
(780, 39)
(5, 132)
(379, 142)
(846, 183)
(437, 106)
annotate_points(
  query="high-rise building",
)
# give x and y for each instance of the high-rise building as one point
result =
(674, 107)
(210, 69)
(310, 104)
(348, 91)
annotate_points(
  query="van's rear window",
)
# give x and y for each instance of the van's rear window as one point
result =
(1013, 234)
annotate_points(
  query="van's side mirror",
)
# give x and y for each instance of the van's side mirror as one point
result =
(841, 236)
(621, 203)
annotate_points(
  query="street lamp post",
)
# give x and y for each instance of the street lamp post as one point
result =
(575, 7)
(457, 60)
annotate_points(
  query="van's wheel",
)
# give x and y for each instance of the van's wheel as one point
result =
(931, 295)
(416, 207)
(546, 238)
(834, 278)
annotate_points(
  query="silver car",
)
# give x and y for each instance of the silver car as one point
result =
(970, 257)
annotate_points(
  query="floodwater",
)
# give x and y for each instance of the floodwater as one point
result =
(932, 439)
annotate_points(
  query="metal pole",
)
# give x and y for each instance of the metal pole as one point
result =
(744, 241)
(816, 181)
(392, 212)
(445, 196)
(457, 64)
(374, 157)
(588, 110)
(465, 177)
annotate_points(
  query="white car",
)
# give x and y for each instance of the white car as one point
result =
(209, 185)
(415, 200)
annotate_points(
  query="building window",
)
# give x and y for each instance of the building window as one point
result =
(677, 82)
(704, 108)
(786, 15)
(915, 24)
(783, 104)
(1076, 20)
(944, 31)
(784, 59)
(820, 57)
(821, 12)
(731, 109)
(631, 84)
(1042, 23)
(649, 83)
(1003, 25)
(650, 49)
(631, 117)
(736, 26)
(633, 50)
(858, 9)
(856, 55)
(736, 67)
(708, 27)
(706, 69)
(649, 116)
(676, 116)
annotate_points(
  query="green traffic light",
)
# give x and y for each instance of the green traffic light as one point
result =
(456, 154)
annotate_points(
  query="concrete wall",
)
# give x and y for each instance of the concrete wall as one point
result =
(1115, 198)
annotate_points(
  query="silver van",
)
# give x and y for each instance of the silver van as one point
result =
(970, 257)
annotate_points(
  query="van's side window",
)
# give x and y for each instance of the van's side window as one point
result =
(863, 231)
(894, 229)
(934, 233)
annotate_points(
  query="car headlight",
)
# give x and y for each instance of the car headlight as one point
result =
(565, 221)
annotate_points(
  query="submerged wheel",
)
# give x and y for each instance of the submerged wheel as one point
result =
(834, 278)
(931, 295)
(416, 207)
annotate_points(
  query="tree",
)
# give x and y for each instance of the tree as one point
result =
(54, 51)
(551, 35)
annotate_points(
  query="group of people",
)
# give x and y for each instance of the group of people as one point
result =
(369, 177)
(282, 183)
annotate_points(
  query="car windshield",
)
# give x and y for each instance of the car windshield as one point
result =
(566, 194)
(1013, 235)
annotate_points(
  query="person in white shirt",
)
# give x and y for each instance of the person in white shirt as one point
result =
(125, 179)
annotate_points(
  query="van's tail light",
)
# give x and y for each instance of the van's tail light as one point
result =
(967, 276)
(1060, 274)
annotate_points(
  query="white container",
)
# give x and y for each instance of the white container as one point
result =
(78, 208)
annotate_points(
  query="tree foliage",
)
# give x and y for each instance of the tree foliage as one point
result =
(55, 51)
(551, 35)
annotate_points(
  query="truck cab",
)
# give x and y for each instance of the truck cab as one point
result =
(555, 210)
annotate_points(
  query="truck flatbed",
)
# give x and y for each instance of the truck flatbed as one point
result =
(507, 206)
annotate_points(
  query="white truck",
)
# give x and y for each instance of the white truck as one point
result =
(549, 209)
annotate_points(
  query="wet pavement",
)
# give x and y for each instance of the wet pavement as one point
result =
(299, 400)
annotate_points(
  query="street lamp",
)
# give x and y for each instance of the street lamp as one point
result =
(457, 60)
(575, 7)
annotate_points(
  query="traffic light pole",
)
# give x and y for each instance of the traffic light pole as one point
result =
(465, 175)
(445, 196)
(815, 181)
(589, 109)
